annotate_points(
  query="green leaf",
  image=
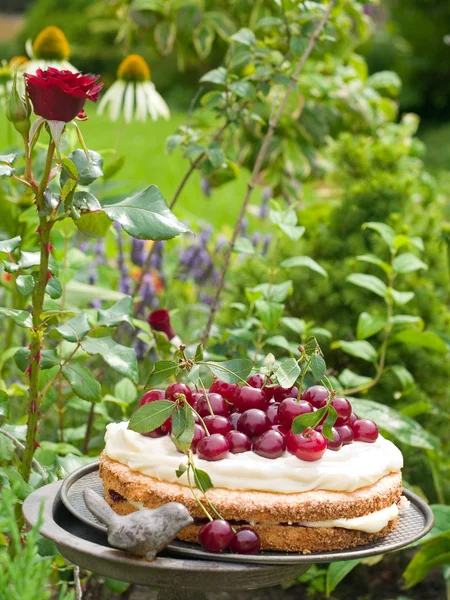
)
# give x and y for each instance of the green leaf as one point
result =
(276, 292)
(199, 352)
(360, 349)
(93, 224)
(270, 313)
(287, 222)
(281, 342)
(302, 422)
(25, 284)
(330, 420)
(203, 38)
(8, 246)
(244, 246)
(287, 373)
(74, 329)
(126, 391)
(88, 169)
(244, 36)
(162, 370)
(151, 416)
(202, 480)
(8, 158)
(337, 571)
(294, 324)
(304, 261)
(386, 83)
(217, 76)
(403, 428)
(435, 553)
(401, 298)
(20, 317)
(369, 325)
(318, 367)
(349, 379)
(407, 263)
(6, 171)
(53, 288)
(242, 89)
(406, 320)
(231, 371)
(85, 201)
(4, 406)
(383, 230)
(165, 33)
(404, 376)
(29, 259)
(116, 314)
(374, 260)
(183, 427)
(82, 382)
(120, 358)
(146, 216)
(369, 282)
(422, 339)
(6, 448)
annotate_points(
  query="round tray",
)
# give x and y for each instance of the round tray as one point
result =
(414, 522)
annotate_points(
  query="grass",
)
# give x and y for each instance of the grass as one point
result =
(146, 162)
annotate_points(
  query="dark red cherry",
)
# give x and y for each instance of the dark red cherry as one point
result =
(256, 380)
(216, 535)
(238, 442)
(248, 397)
(281, 394)
(218, 405)
(234, 418)
(156, 433)
(280, 429)
(352, 418)
(226, 390)
(290, 408)
(336, 442)
(199, 434)
(151, 396)
(365, 430)
(213, 447)
(346, 434)
(272, 413)
(218, 424)
(179, 388)
(343, 409)
(270, 444)
(253, 423)
(245, 541)
(317, 395)
(309, 448)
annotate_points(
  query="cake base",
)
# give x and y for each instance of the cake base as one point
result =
(273, 516)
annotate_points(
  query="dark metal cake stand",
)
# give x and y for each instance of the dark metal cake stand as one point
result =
(178, 577)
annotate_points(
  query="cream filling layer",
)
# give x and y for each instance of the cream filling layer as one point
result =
(371, 523)
(354, 466)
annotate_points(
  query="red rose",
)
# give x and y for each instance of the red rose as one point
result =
(159, 320)
(61, 95)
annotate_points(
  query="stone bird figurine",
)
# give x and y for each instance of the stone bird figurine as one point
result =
(144, 532)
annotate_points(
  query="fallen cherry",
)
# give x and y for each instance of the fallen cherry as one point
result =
(151, 396)
(253, 423)
(216, 535)
(343, 408)
(346, 434)
(365, 430)
(226, 390)
(179, 388)
(317, 395)
(238, 442)
(309, 447)
(245, 541)
(218, 405)
(213, 447)
(290, 408)
(270, 444)
(218, 424)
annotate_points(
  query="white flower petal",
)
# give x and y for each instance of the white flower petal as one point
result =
(106, 98)
(34, 64)
(141, 103)
(157, 102)
(29, 48)
(128, 106)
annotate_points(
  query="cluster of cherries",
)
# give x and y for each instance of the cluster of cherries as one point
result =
(259, 417)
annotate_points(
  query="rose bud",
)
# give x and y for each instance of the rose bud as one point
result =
(18, 110)
(159, 320)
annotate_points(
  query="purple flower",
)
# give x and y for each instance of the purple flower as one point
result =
(205, 298)
(266, 243)
(140, 347)
(264, 208)
(205, 186)
(137, 251)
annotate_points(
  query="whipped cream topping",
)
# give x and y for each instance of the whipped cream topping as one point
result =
(354, 466)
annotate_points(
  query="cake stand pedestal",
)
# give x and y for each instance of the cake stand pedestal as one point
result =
(177, 578)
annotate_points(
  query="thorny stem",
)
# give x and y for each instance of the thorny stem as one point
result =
(259, 163)
(187, 175)
(34, 397)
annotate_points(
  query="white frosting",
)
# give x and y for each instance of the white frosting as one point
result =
(354, 466)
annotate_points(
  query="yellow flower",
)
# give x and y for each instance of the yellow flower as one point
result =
(49, 49)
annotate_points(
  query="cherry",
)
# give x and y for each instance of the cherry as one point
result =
(218, 424)
(247, 398)
(238, 442)
(256, 380)
(270, 444)
(352, 418)
(290, 408)
(213, 447)
(346, 434)
(253, 423)
(234, 418)
(343, 409)
(167, 425)
(179, 388)
(245, 541)
(365, 430)
(281, 394)
(280, 429)
(199, 434)
(216, 535)
(317, 395)
(272, 413)
(151, 396)
(309, 448)
(336, 442)
(156, 433)
(226, 390)
(218, 405)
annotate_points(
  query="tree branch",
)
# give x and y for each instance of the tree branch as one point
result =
(259, 162)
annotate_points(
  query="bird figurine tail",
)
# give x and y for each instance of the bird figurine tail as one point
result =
(99, 507)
